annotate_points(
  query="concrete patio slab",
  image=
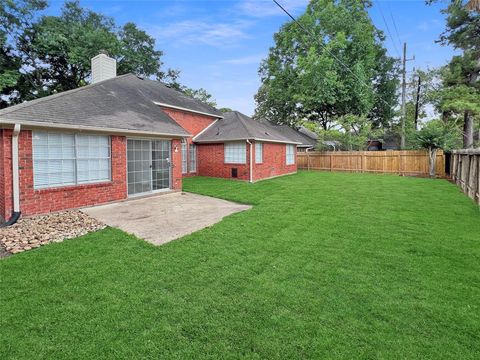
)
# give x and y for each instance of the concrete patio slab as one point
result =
(160, 219)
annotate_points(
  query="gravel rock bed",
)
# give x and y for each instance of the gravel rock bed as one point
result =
(33, 232)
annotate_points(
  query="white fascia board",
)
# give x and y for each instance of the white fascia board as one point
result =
(45, 125)
(201, 132)
(188, 110)
(245, 139)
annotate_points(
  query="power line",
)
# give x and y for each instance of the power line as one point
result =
(394, 24)
(388, 29)
(325, 48)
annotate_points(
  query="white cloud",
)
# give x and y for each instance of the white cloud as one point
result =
(246, 60)
(202, 31)
(431, 24)
(266, 8)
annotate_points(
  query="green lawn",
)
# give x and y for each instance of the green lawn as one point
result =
(325, 265)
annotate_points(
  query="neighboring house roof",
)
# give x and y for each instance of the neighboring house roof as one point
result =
(237, 126)
(124, 103)
(302, 139)
(308, 133)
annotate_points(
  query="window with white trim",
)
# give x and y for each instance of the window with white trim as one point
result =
(184, 157)
(258, 152)
(290, 154)
(235, 152)
(62, 159)
(193, 158)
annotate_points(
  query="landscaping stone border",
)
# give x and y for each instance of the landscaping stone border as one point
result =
(33, 232)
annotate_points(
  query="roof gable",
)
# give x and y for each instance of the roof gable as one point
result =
(125, 103)
(238, 126)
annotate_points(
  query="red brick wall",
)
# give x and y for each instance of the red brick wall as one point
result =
(274, 162)
(5, 169)
(55, 199)
(211, 162)
(193, 123)
(177, 164)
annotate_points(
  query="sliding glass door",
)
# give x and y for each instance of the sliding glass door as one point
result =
(148, 165)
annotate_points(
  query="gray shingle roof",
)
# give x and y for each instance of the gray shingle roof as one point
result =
(297, 135)
(237, 126)
(125, 103)
(160, 93)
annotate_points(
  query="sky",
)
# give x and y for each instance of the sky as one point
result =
(218, 44)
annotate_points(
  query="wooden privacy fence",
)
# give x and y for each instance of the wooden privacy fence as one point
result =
(465, 171)
(405, 162)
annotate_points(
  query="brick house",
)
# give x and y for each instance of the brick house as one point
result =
(123, 136)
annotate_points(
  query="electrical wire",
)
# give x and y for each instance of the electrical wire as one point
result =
(325, 48)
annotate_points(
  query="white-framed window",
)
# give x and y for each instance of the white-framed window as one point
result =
(193, 158)
(184, 157)
(290, 154)
(235, 152)
(62, 159)
(258, 152)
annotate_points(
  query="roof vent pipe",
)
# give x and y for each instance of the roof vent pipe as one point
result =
(103, 67)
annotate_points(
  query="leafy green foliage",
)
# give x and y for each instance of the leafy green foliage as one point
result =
(303, 77)
(137, 53)
(55, 52)
(14, 17)
(200, 94)
(461, 78)
(435, 134)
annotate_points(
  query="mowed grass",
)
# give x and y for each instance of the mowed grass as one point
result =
(325, 265)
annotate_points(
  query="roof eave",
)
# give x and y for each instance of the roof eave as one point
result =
(215, 141)
(40, 124)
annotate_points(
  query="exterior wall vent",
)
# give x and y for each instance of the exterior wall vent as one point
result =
(103, 68)
(234, 172)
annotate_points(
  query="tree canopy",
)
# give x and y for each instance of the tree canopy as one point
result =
(460, 93)
(53, 53)
(331, 64)
(14, 17)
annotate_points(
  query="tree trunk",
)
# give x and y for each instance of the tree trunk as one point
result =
(468, 116)
(432, 157)
(468, 130)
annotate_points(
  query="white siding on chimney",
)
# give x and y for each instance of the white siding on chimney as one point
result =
(103, 68)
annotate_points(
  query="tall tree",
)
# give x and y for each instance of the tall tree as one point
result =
(14, 16)
(56, 51)
(463, 77)
(200, 94)
(137, 53)
(330, 65)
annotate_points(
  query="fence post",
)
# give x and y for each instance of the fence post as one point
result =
(399, 163)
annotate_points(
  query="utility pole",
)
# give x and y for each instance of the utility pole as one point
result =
(417, 102)
(404, 94)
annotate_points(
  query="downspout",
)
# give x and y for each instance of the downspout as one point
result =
(251, 163)
(15, 178)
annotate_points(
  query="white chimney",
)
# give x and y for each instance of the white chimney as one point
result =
(103, 68)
